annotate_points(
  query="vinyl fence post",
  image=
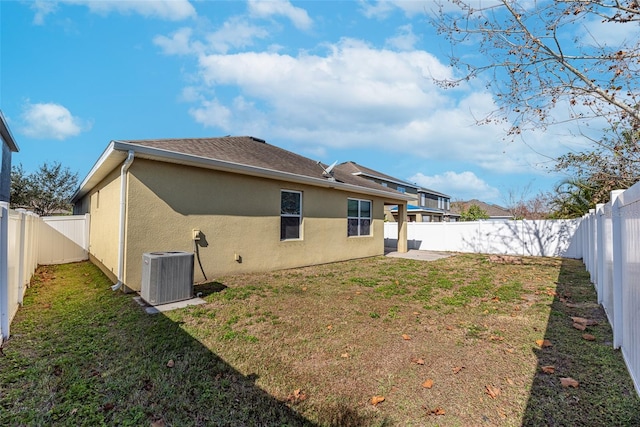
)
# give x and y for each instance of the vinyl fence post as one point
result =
(4, 270)
(616, 238)
(600, 252)
(21, 252)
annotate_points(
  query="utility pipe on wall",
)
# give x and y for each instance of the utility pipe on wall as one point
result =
(123, 208)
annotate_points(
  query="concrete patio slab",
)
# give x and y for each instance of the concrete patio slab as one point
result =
(161, 308)
(417, 254)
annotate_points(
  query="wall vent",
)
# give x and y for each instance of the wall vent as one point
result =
(167, 277)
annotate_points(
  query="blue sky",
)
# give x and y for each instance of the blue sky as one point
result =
(331, 80)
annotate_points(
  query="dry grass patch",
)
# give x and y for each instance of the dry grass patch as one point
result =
(318, 343)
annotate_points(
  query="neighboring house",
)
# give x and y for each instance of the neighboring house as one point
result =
(425, 205)
(9, 146)
(495, 212)
(255, 207)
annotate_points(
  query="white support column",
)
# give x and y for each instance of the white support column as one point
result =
(402, 228)
(616, 237)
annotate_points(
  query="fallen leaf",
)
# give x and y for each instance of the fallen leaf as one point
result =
(298, 395)
(329, 327)
(495, 299)
(449, 328)
(158, 423)
(544, 343)
(428, 383)
(171, 363)
(569, 382)
(496, 338)
(415, 313)
(417, 361)
(457, 369)
(510, 381)
(509, 350)
(108, 406)
(304, 288)
(579, 326)
(549, 369)
(501, 413)
(345, 355)
(73, 411)
(435, 411)
(582, 320)
(589, 337)
(406, 337)
(377, 399)
(492, 391)
(358, 293)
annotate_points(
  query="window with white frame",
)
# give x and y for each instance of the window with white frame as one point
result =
(290, 214)
(358, 217)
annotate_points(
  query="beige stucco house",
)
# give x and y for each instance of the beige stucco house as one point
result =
(240, 203)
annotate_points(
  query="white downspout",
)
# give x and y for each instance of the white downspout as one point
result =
(123, 207)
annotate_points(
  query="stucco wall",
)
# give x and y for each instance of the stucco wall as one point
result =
(237, 215)
(103, 203)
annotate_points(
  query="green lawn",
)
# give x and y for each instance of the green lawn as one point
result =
(313, 346)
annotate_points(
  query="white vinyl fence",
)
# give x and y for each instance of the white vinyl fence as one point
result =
(26, 241)
(64, 239)
(612, 257)
(531, 238)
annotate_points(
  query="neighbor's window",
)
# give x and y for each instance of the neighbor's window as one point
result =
(358, 217)
(290, 214)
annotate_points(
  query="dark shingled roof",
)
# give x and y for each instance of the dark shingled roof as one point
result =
(250, 151)
(353, 167)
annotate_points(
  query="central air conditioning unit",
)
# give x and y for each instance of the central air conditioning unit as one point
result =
(167, 277)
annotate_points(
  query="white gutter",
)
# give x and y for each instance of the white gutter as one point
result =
(123, 207)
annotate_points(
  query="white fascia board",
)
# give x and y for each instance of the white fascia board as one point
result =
(6, 135)
(435, 193)
(400, 183)
(197, 161)
(103, 166)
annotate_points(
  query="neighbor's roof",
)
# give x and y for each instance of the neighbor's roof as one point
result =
(357, 169)
(5, 133)
(494, 211)
(239, 154)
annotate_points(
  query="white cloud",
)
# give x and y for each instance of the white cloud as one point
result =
(179, 43)
(460, 186)
(597, 32)
(51, 121)
(353, 95)
(235, 33)
(213, 114)
(404, 40)
(171, 10)
(266, 9)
